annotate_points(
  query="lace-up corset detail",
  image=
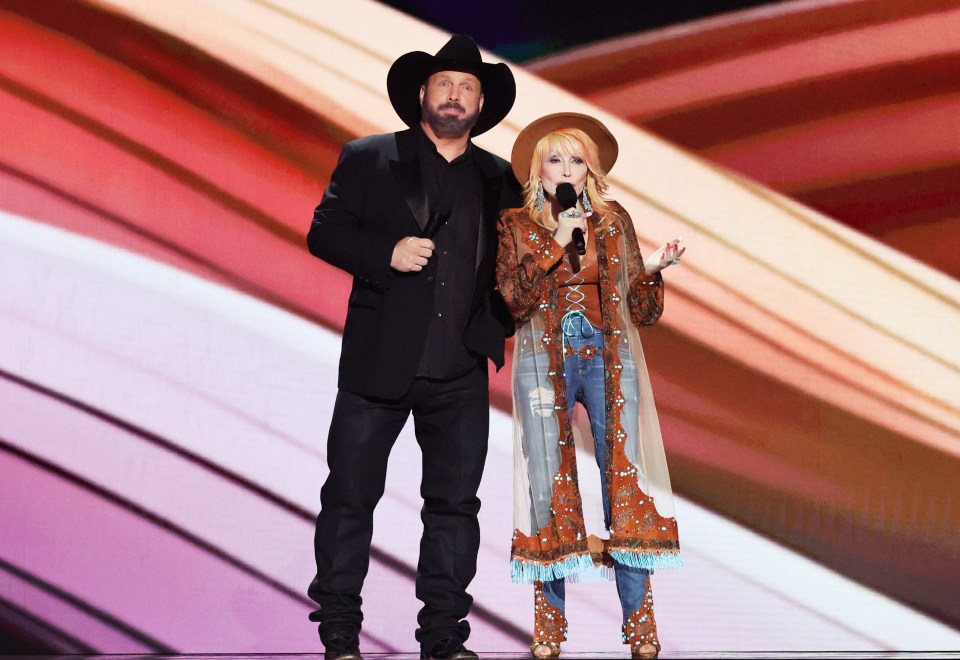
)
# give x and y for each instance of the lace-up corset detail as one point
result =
(579, 292)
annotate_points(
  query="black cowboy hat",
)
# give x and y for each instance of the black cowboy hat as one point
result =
(410, 71)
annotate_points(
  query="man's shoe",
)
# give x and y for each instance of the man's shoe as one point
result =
(448, 649)
(342, 654)
(339, 654)
(342, 648)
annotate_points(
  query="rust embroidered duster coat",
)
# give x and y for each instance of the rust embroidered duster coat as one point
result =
(552, 518)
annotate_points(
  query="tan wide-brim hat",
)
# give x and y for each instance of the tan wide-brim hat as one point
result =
(529, 137)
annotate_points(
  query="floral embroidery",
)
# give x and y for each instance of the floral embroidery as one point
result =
(549, 623)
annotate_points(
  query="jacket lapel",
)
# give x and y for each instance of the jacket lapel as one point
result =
(491, 182)
(406, 172)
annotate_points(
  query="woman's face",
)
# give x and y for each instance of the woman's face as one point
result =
(560, 168)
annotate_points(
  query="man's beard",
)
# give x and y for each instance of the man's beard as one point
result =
(449, 126)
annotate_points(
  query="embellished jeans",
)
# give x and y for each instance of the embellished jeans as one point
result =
(584, 373)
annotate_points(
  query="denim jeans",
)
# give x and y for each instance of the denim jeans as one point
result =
(585, 383)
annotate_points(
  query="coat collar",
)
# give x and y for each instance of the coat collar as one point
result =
(406, 171)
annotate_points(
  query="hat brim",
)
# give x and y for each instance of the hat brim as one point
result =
(410, 71)
(526, 142)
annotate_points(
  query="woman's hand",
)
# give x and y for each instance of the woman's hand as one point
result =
(667, 254)
(569, 220)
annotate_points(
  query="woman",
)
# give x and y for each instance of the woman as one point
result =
(577, 318)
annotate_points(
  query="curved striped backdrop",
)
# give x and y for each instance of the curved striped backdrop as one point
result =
(168, 348)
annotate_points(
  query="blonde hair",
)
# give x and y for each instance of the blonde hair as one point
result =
(569, 142)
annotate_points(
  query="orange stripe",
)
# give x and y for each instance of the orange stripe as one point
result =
(740, 117)
(590, 70)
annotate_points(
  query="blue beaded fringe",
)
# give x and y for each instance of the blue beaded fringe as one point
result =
(524, 572)
(580, 568)
(648, 560)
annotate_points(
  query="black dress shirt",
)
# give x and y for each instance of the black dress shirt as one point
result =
(455, 198)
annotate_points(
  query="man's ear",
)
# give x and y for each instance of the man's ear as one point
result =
(480, 107)
(423, 90)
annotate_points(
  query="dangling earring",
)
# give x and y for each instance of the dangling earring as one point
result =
(586, 202)
(541, 198)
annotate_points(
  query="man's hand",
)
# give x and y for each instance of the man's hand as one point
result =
(411, 254)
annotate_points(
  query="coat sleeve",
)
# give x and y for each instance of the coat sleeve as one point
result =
(645, 295)
(341, 234)
(522, 280)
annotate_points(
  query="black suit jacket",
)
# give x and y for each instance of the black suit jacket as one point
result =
(374, 199)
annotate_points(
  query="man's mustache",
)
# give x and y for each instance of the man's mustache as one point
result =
(451, 105)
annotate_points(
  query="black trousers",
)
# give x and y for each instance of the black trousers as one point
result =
(451, 421)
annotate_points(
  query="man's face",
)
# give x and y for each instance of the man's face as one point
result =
(450, 102)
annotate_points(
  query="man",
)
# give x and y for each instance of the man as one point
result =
(412, 216)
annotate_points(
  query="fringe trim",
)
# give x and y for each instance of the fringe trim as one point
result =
(580, 568)
(601, 573)
(525, 572)
(647, 560)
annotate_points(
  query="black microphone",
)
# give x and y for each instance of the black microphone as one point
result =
(437, 218)
(567, 198)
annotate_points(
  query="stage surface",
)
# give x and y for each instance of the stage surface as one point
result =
(798, 655)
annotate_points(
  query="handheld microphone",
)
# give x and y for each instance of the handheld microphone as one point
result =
(567, 198)
(437, 218)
